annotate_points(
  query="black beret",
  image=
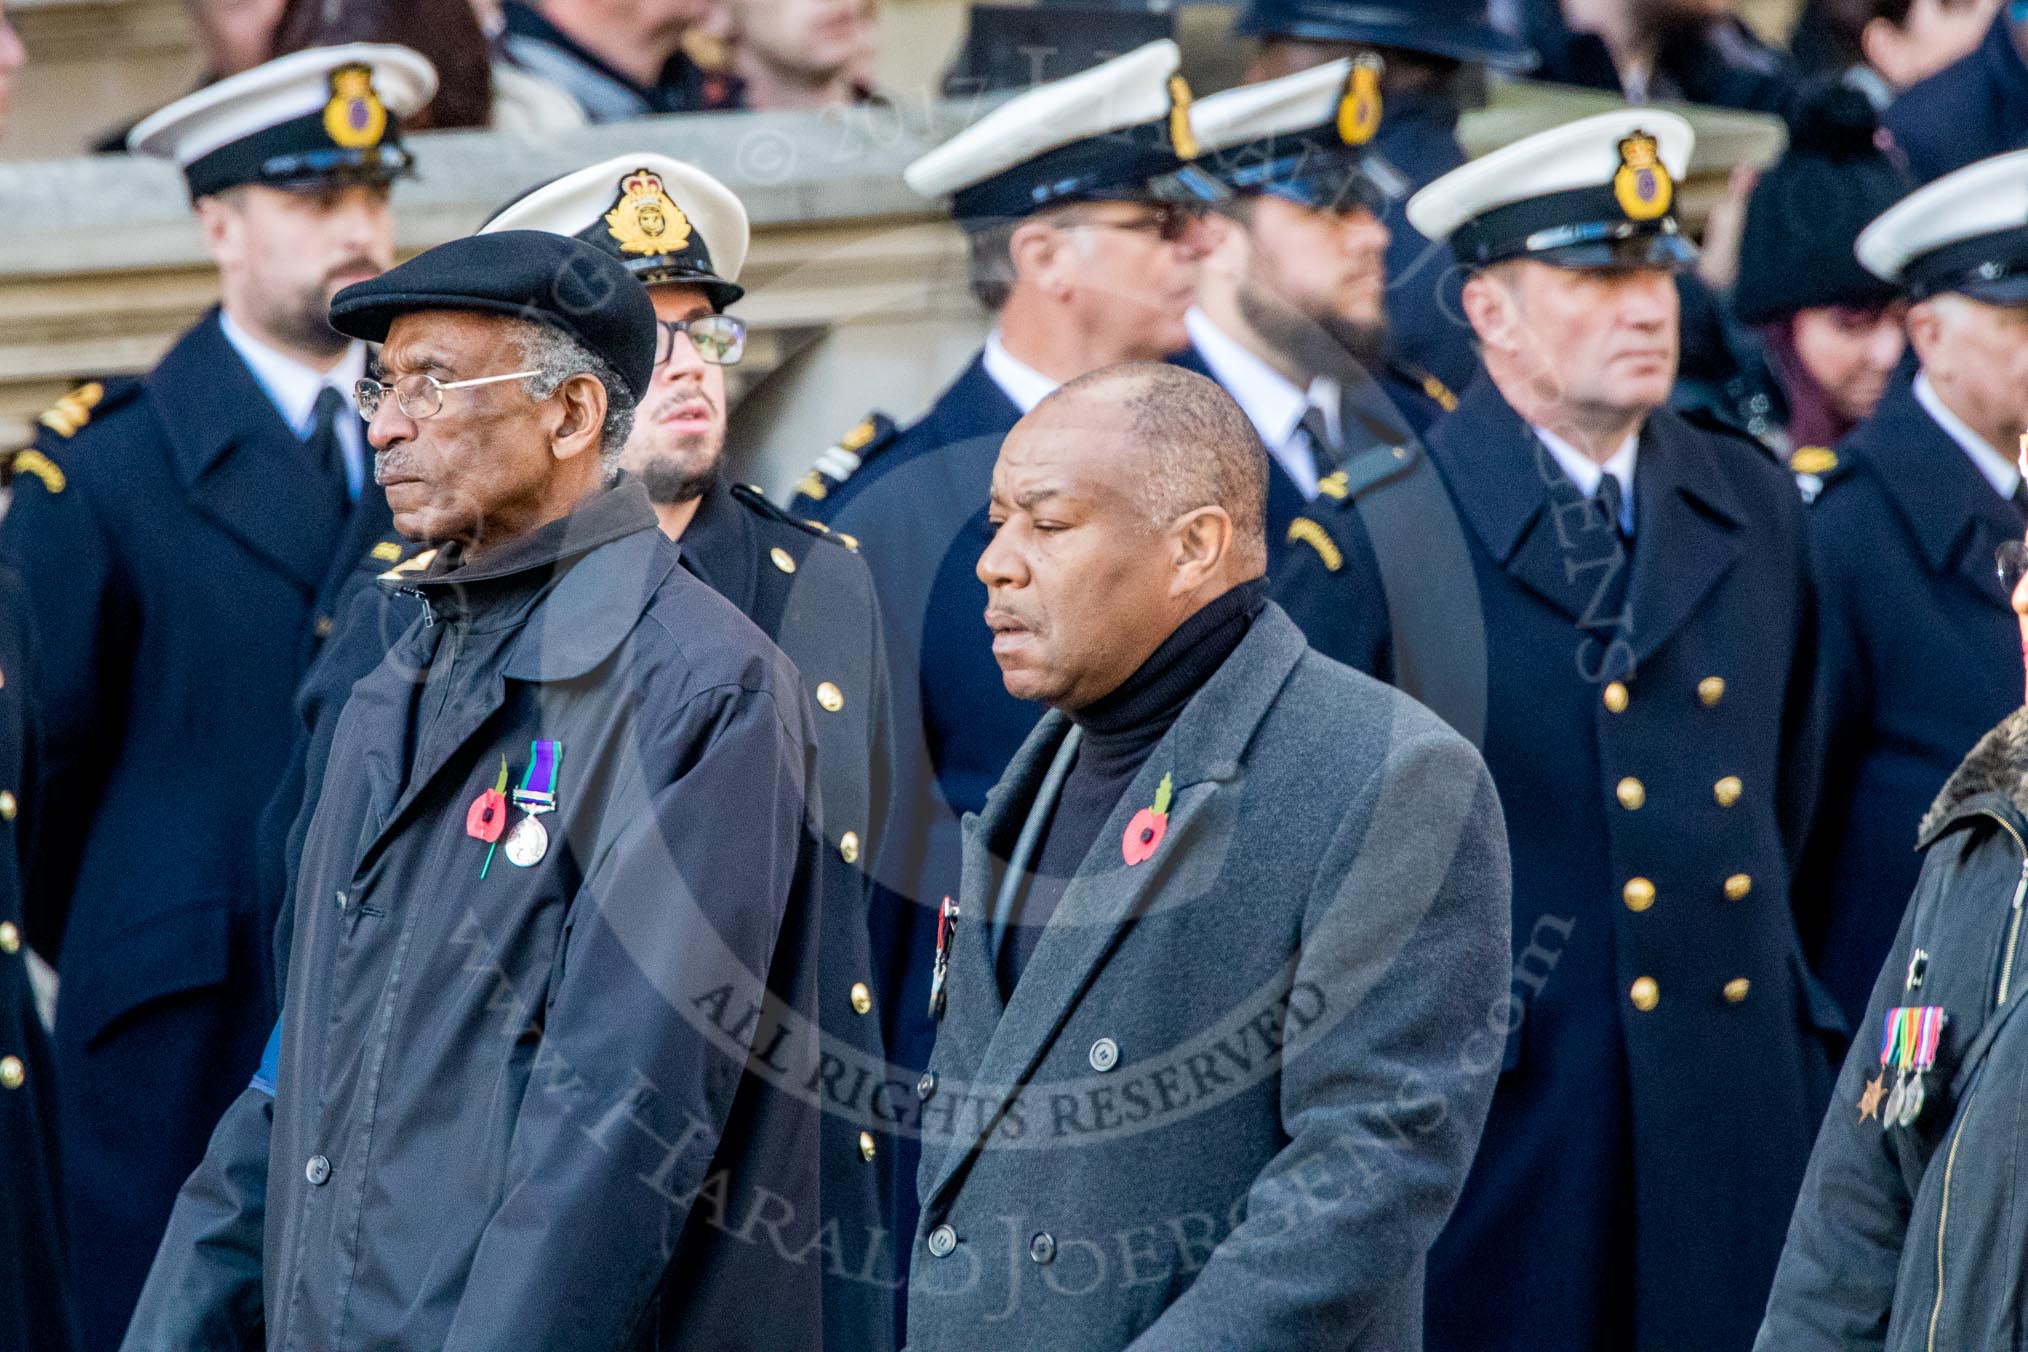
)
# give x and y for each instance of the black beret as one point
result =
(1806, 213)
(520, 274)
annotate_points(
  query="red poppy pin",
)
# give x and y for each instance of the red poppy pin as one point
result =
(486, 818)
(1149, 825)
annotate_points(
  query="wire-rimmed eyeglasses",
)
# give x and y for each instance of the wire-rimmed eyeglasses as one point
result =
(420, 396)
(719, 339)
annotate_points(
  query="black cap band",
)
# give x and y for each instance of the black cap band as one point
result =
(1988, 267)
(1117, 164)
(293, 153)
(1548, 225)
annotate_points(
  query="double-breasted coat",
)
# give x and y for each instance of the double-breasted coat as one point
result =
(178, 542)
(34, 1297)
(1650, 722)
(560, 1101)
(1234, 1094)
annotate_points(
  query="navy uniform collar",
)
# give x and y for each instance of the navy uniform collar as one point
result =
(1938, 490)
(719, 549)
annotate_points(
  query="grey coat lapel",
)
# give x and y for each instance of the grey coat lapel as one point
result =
(1202, 751)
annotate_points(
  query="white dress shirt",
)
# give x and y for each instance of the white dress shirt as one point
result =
(1271, 401)
(1586, 472)
(293, 389)
(1019, 381)
(1999, 471)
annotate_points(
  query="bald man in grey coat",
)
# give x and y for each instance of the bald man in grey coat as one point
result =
(1224, 992)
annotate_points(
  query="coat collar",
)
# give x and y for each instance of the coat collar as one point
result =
(974, 406)
(997, 1050)
(719, 548)
(1993, 777)
(610, 547)
(1935, 487)
(240, 463)
(1524, 510)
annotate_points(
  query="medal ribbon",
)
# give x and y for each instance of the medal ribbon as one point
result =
(1890, 1038)
(538, 786)
(1927, 1038)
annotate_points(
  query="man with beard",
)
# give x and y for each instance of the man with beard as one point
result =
(1435, 52)
(1291, 320)
(180, 537)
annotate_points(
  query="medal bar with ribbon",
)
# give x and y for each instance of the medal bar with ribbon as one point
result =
(1908, 1042)
(528, 841)
(947, 925)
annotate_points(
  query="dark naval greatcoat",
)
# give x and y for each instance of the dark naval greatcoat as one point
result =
(176, 539)
(563, 1100)
(1650, 725)
(34, 1296)
(1923, 654)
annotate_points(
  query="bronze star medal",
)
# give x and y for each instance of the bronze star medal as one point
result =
(1869, 1099)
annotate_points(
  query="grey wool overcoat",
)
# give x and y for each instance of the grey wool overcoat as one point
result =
(1236, 1092)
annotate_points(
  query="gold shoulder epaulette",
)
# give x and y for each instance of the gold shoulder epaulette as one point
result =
(28, 460)
(68, 415)
(1316, 537)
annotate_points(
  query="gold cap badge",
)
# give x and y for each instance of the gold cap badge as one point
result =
(644, 220)
(1182, 136)
(1642, 186)
(1359, 111)
(355, 118)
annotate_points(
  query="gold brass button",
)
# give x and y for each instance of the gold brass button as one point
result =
(8, 806)
(1727, 790)
(12, 1072)
(862, 998)
(1632, 793)
(1645, 994)
(1639, 894)
(848, 846)
(10, 937)
(830, 698)
(782, 559)
(866, 1148)
(1736, 989)
(1616, 698)
(1737, 886)
(1711, 690)
(324, 626)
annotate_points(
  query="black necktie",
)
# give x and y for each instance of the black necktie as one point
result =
(1611, 501)
(327, 450)
(1318, 430)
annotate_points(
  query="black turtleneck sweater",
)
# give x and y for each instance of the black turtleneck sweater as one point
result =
(1120, 731)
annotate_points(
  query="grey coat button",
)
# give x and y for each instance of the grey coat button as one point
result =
(318, 1171)
(942, 1241)
(1105, 1054)
(926, 1086)
(1042, 1248)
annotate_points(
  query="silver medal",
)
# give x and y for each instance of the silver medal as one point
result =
(527, 842)
(1895, 1097)
(1911, 1102)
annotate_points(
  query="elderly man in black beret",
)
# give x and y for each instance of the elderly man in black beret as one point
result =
(550, 953)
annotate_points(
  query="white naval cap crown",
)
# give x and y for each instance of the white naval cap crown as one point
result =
(337, 105)
(669, 221)
(1967, 231)
(1106, 129)
(1611, 176)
